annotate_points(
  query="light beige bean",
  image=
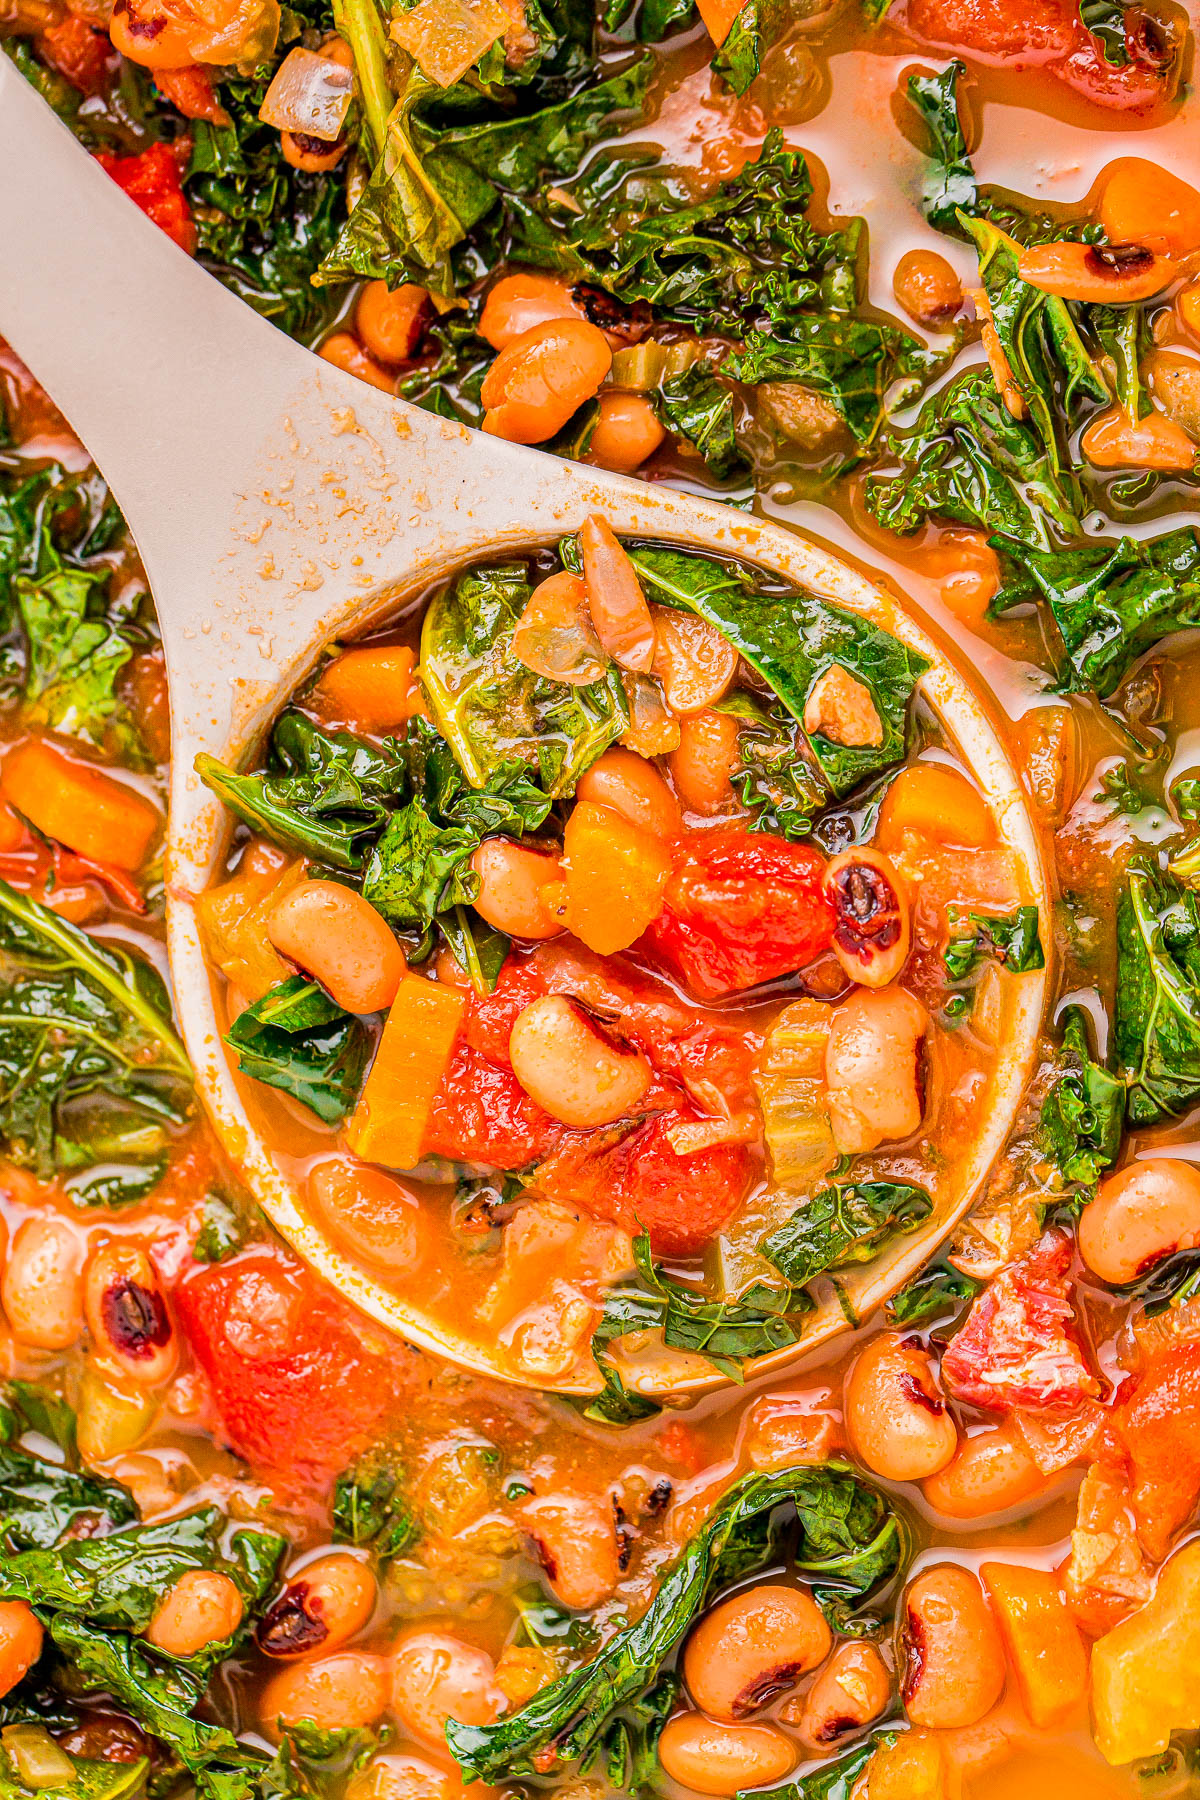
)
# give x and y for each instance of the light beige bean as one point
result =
(42, 1287)
(692, 659)
(324, 1604)
(337, 937)
(512, 888)
(871, 1068)
(896, 1419)
(376, 1216)
(1140, 1215)
(988, 1473)
(127, 1313)
(872, 933)
(852, 1689)
(347, 1690)
(576, 1541)
(702, 765)
(203, 1607)
(953, 1658)
(752, 1646)
(633, 787)
(723, 1759)
(436, 1677)
(569, 1069)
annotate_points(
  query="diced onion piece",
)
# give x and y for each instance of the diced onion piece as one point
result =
(249, 35)
(38, 1760)
(554, 635)
(791, 1091)
(652, 730)
(446, 37)
(310, 94)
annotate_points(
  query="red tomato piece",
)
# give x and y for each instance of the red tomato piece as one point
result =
(1048, 35)
(1158, 1426)
(297, 1387)
(491, 1017)
(641, 1183)
(152, 181)
(78, 51)
(1017, 1347)
(741, 908)
(481, 1113)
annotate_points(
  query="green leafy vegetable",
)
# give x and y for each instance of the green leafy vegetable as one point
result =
(222, 1230)
(937, 1290)
(497, 716)
(838, 1780)
(369, 1507)
(41, 1502)
(1156, 1025)
(791, 638)
(950, 186)
(772, 775)
(24, 1406)
(698, 408)
(1105, 19)
(1082, 1114)
(299, 1040)
(844, 1224)
(967, 459)
(740, 57)
(849, 1541)
(92, 1074)
(324, 792)
(1110, 602)
(91, 1778)
(1010, 939)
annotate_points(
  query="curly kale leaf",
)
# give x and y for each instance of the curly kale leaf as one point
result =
(740, 58)
(773, 776)
(844, 1224)
(950, 186)
(369, 1507)
(1010, 939)
(92, 1073)
(1105, 19)
(967, 459)
(1082, 1115)
(41, 1502)
(1111, 602)
(1156, 1024)
(698, 407)
(936, 1292)
(791, 638)
(848, 1540)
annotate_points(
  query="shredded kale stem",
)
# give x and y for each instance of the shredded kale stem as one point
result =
(360, 24)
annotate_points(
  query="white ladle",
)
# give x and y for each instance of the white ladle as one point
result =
(277, 504)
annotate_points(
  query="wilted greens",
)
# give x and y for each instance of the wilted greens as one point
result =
(846, 1223)
(1156, 1023)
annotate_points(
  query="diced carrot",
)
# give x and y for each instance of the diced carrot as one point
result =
(937, 802)
(371, 689)
(389, 1122)
(79, 805)
(1043, 1642)
(915, 1767)
(615, 877)
(718, 16)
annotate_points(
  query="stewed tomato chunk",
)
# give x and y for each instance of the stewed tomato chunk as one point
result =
(741, 908)
(1018, 1346)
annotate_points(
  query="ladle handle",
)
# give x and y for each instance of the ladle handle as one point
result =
(158, 368)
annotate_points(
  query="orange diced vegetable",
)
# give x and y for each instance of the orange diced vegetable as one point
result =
(937, 802)
(718, 16)
(1143, 203)
(615, 876)
(79, 805)
(1043, 1642)
(233, 922)
(372, 689)
(1146, 1671)
(389, 1121)
(12, 833)
(915, 1767)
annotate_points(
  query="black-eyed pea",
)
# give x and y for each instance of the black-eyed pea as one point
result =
(896, 1419)
(852, 1689)
(1141, 1214)
(436, 1677)
(572, 1072)
(331, 1692)
(42, 1287)
(872, 932)
(203, 1607)
(927, 287)
(335, 935)
(576, 1541)
(712, 1758)
(751, 1647)
(634, 788)
(324, 1604)
(954, 1665)
(989, 1472)
(871, 1068)
(127, 1313)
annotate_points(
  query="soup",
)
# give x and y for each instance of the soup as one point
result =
(255, 1545)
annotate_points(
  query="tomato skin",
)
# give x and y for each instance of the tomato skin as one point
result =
(1017, 1347)
(78, 51)
(481, 1113)
(152, 181)
(741, 908)
(295, 1385)
(1157, 1425)
(641, 1183)
(1041, 34)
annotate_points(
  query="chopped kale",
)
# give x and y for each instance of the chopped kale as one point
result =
(842, 1225)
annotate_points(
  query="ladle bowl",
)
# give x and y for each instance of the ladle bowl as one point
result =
(279, 504)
